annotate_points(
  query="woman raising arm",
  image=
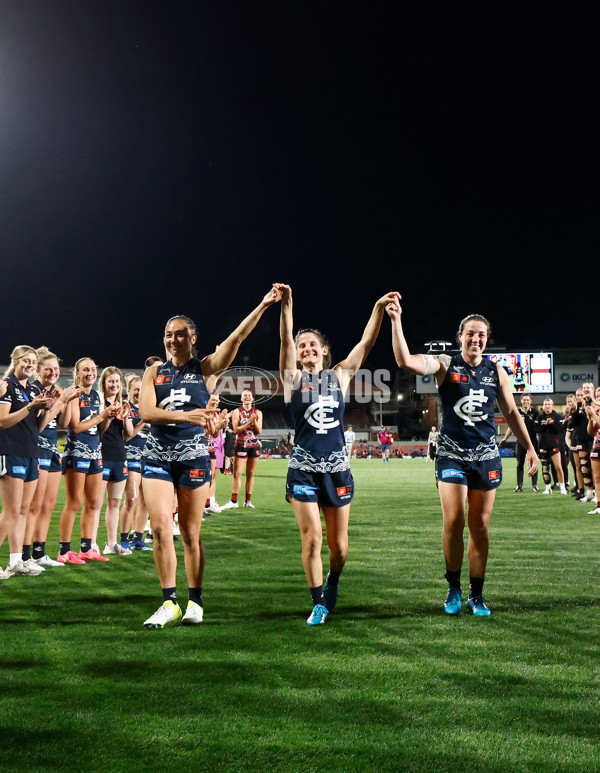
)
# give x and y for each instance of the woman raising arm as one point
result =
(319, 477)
(468, 467)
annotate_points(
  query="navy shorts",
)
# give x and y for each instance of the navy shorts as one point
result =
(480, 476)
(79, 464)
(135, 465)
(51, 463)
(21, 467)
(192, 473)
(114, 472)
(330, 489)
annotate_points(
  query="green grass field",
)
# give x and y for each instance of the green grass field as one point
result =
(390, 683)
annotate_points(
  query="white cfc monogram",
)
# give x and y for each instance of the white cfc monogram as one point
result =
(176, 399)
(470, 407)
(318, 414)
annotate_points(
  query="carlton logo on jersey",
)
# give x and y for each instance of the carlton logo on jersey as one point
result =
(469, 408)
(318, 415)
(21, 397)
(176, 399)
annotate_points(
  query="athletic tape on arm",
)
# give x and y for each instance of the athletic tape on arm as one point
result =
(431, 363)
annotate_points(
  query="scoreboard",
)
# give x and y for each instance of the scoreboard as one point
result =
(531, 372)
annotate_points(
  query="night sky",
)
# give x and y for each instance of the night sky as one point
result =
(178, 157)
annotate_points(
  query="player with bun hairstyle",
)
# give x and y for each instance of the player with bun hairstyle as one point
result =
(173, 400)
(319, 477)
(50, 465)
(23, 414)
(116, 430)
(133, 513)
(82, 466)
(216, 444)
(468, 466)
(247, 424)
(550, 429)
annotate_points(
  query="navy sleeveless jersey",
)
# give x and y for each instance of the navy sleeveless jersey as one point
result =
(135, 446)
(468, 397)
(22, 438)
(178, 388)
(519, 380)
(86, 445)
(48, 437)
(317, 409)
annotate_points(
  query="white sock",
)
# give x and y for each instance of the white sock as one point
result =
(14, 558)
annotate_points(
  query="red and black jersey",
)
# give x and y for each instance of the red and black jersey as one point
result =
(247, 438)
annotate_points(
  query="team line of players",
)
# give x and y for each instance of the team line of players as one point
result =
(170, 417)
(570, 441)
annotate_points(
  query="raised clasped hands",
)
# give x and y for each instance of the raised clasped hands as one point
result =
(273, 296)
(392, 305)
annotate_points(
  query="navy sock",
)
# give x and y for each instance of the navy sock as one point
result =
(124, 536)
(333, 578)
(476, 586)
(317, 595)
(137, 536)
(453, 578)
(65, 547)
(195, 594)
(26, 552)
(39, 549)
(170, 594)
(86, 545)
